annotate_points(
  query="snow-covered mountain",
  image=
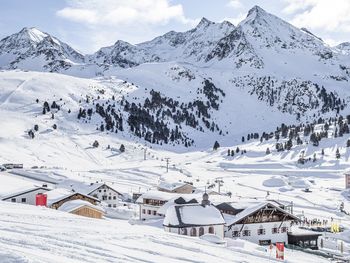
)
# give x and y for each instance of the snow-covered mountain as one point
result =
(216, 80)
(31, 49)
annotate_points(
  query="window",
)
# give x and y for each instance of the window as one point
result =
(284, 229)
(24, 200)
(99, 191)
(184, 231)
(104, 197)
(149, 212)
(193, 232)
(104, 190)
(235, 233)
(201, 231)
(109, 205)
(109, 198)
(114, 205)
(246, 233)
(13, 200)
(143, 211)
(275, 230)
(261, 231)
(154, 212)
(114, 197)
(211, 230)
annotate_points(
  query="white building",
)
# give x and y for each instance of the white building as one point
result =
(194, 219)
(151, 203)
(25, 196)
(102, 192)
(262, 223)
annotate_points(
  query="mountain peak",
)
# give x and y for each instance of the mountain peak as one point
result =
(204, 23)
(33, 34)
(255, 10)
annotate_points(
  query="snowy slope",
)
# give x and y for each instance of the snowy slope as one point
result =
(43, 235)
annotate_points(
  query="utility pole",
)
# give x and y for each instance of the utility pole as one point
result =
(167, 164)
(220, 182)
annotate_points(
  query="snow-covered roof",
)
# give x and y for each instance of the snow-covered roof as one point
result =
(157, 195)
(59, 194)
(192, 215)
(73, 205)
(89, 188)
(190, 198)
(171, 186)
(24, 191)
(296, 231)
(254, 208)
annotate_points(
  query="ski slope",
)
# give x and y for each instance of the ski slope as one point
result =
(34, 234)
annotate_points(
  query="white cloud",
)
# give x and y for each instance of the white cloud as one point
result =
(294, 6)
(103, 22)
(116, 12)
(235, 4)
(330, 16)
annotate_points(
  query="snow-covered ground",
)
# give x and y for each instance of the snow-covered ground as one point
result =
(34, 234)
(65, 157)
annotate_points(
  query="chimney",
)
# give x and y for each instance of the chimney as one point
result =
(205, 200)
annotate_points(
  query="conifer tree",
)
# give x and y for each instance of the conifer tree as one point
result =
(122, 148)
(216, 146)
(337, 154)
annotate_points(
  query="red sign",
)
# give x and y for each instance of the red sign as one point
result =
(280, 251)
(41, 200)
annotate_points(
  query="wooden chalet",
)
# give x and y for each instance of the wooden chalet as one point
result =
(262, 223)
(58, 197)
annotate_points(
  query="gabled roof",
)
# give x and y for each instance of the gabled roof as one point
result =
(89, 188)
(73, 205)
(59, 194)
(253, 209)
(157, 195)
(176, 201)
(228, 207)
(192, 215)
(172, 186)
(24, 191)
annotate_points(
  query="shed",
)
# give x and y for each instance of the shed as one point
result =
(82, 208)
(304, 239)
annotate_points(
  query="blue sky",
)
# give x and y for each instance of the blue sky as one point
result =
(89, 24)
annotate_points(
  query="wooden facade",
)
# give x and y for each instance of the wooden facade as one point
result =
(88, 212)
(72, 197)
